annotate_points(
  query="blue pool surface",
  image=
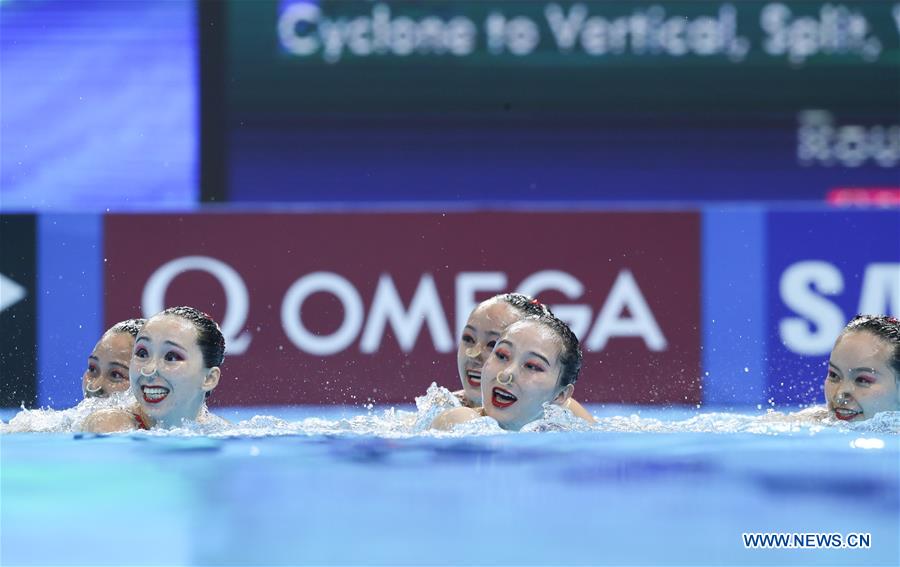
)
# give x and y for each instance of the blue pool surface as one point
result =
(624, 495)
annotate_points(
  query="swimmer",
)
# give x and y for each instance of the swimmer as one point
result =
(535, 360)
(107, 371)
(479, 336)
(864, 369)
(175, 364)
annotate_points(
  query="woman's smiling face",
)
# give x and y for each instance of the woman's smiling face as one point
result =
(479, 336)
(860, 380)
(107, 370)
(521, 374)
(168, 375)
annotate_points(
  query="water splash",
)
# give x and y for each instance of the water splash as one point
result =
(394, 423)
(810, 420)
(436, 401)
(557, 418)
(45, 420)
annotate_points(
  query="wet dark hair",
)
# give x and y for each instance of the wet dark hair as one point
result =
(525, 304)
(130, 326)
(885, 328)
(209, 336)
(570, 359)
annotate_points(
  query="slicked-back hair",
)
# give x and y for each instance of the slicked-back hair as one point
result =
(885, 328)
(570, 358)
(525, 304)
(209, 336)
(130, 326)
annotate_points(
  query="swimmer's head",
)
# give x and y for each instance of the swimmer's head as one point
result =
(482, 329)
(864, 369)
(107, 368)
(130, 326)
(535, 361)
(209, 335)
(176, 363)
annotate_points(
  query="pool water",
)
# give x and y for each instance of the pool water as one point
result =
(352, 486)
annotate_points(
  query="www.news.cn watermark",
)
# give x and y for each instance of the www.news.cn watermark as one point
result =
(807, 540)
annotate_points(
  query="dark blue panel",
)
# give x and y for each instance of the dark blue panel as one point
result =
(823, 269)
(18, 301)
(541, 158)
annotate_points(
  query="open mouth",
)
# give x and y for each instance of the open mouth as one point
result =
(502, 398)
(845, 414)
(154, 394)
(473, 377)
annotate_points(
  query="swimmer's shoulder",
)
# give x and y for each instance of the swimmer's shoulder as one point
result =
(449, 418)
(110, 421)
(579, 410)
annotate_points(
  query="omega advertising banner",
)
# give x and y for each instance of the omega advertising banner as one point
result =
(355, 308)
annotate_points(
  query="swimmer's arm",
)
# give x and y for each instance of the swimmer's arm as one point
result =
(109, 421)
(579, 410)
(449, 418)
(461, 396)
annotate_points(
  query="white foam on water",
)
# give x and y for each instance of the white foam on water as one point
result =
(45, 420)
(394, 423)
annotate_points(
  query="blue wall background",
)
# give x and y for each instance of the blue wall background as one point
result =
(831, 257)
(98, 105)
